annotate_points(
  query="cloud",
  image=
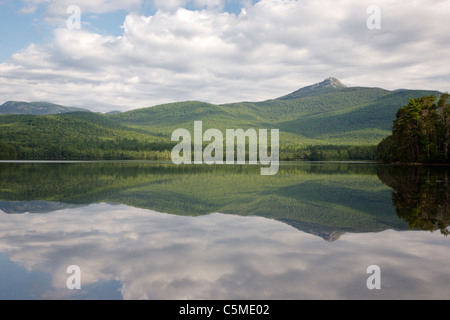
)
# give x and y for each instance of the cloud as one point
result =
(159, 256)
(203, 53)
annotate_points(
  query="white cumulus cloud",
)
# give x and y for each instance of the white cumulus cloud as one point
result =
(204, 53)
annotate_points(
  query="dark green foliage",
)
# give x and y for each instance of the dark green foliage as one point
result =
(330, 153)
(421, 195)
(421, 133)
(75, 136)
(327, 121)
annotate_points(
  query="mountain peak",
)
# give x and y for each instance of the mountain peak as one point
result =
(333, 82)
(328, 85)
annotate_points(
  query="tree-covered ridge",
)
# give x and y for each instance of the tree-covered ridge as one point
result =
(327, 121)
(421, 132)
(36, 108)
(75, 136)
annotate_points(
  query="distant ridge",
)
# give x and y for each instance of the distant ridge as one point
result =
(36, 108)
(326, 86)
(327, 115)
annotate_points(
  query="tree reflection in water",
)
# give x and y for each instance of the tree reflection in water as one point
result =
(421, 195)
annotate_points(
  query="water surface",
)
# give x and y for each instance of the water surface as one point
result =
(158, 231)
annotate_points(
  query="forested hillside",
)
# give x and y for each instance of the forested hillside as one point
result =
(325, 121)
(75, 136)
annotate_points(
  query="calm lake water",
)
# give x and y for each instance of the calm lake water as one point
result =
(144, 230)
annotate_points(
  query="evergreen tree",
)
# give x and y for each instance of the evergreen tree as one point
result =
(444, 109)
(421, 132)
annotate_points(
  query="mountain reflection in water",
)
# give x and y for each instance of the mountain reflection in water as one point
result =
(156, 231)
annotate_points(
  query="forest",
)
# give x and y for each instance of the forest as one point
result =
(343, 124)
(88, 136)
(421, 133)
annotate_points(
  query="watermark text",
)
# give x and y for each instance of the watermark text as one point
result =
(257, 142)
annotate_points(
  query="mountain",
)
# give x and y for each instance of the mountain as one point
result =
(325, 113)
(327, 86)
(36, 108)
(324, 121)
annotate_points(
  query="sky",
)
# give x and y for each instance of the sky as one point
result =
(124, 55)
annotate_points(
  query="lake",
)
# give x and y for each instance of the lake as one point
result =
(143, 230)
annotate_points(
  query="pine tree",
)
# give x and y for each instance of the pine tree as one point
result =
(421, 132)
(444, 109)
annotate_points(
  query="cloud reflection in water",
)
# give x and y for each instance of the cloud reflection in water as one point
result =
(159, 256)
